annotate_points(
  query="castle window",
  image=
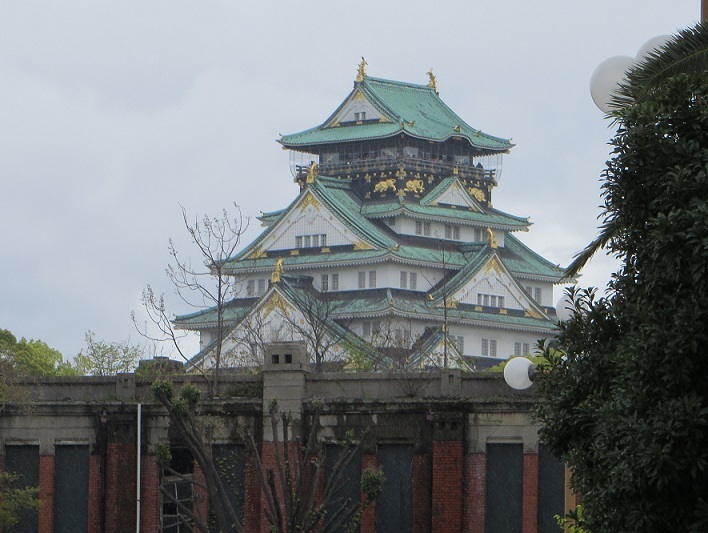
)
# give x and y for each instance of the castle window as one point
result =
(250, 288)
(404, 280)
(452, 231)
(489, 347)
(261, 286)
(362, 280)
(537, 295)
(477, 235)
(413, 281)
(372, 279)
(490, 300)
(371, 327)
(310, 241)
(521, 348)
(335, 282)
(324, 283)
(422, 228)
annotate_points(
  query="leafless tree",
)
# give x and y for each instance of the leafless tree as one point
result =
(206, 286)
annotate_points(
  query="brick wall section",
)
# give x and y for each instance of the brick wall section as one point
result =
(95, 493)
(421, 494)
(149, 495)
(530, 501)
(368, 519)
(269, 462)
(447, 486)
(46, 494)
(120, 501)
(251, 498)
(475, 485)
(201, 497)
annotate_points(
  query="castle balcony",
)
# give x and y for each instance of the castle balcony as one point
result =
(438, 168)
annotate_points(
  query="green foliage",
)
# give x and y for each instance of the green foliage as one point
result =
(372, 482)
(32, 357)
(573, 522)
(15, 501)
(191, 394)
(624, 399)
(162, 390)
(101, 358)
(163, 453)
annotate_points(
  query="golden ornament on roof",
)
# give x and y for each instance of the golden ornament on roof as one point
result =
(311, 173)
(361, 71)
(432, 82)
(277, 271)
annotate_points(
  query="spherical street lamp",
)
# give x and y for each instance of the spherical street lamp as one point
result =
(519, 373)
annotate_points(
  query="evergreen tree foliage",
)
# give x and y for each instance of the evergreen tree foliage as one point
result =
(623, 395)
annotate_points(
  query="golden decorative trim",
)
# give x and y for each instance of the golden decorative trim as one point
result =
(455, 171)
(478, 308)
(276, 301)
(385, 185)
(401, 172)
(258, 253)
(361, 245)
(325, 249)
(414, 185)
(310, 200)
(503, 311)
(294, 252)
(477, 194)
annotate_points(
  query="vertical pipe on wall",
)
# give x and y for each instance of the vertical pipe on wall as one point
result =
(139, 456)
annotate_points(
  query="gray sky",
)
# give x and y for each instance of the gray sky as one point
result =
(112, 114)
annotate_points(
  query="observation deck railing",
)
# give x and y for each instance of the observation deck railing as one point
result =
(414, 164)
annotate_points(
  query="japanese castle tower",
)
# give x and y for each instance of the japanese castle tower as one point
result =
(392, 253)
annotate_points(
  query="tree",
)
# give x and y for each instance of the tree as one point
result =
(294, 501)
(32, 357)
(622, 392)
(297, 478)
(217, 239)
(15, 501)
(101, 358)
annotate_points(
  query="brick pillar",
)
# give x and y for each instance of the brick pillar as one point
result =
(530, 501)
(475, 492)
(149, 495)
(268, 461)
(46, 494)
(421, 493)
(201, 496)
(95, 493)
(368, 519)
(251, 499)
(120, 501)
(447, 486)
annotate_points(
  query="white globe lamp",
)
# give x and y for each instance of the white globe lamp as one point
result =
(518, 373)
(606, 79)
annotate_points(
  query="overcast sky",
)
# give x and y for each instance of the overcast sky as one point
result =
(112, 114)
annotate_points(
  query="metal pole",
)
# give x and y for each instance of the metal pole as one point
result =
(139, 455)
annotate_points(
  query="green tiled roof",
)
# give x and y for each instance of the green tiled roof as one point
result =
(412, 109)
(490, 217)
(234, 312)
(520, 259)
